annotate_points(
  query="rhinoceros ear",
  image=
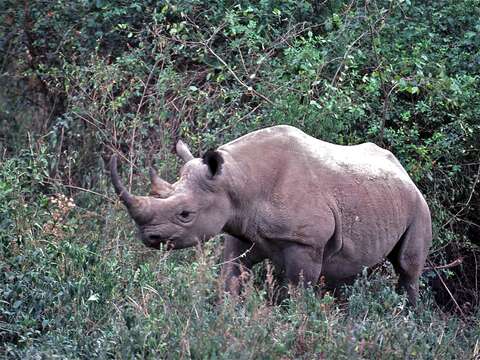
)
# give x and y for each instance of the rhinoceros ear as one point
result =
(214, 160)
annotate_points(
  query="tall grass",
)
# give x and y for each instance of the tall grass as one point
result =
(80, 285)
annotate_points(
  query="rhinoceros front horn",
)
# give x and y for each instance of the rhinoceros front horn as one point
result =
(134, 204)
(127, 198)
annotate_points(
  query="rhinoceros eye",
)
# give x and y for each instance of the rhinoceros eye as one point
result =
(186, 216)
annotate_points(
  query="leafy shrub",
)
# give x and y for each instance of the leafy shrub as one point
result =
(85, 79)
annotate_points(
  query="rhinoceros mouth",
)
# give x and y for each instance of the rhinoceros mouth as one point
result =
(159, 242)
(152, 241)
(156, 239)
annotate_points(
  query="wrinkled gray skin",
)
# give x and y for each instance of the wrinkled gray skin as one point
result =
(311, 207)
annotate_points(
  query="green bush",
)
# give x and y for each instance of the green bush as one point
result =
(84, 79)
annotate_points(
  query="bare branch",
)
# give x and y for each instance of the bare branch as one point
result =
(249, 88)
(475, 182)
(446, 266)
(446, 288)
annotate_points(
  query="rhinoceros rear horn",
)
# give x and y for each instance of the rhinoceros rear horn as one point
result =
(160, 187)
(138, 207)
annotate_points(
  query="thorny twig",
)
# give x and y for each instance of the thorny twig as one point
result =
(236, 258)
(446, 288)
(475, 182)
(350, 47)
(232, 124)
(386, 96)
(81, 117)
(386, 103)
(53, 182)
(344, 57)
(206, 44)
(140, 104)
(291, 33)
(446, 266)
(249, 88)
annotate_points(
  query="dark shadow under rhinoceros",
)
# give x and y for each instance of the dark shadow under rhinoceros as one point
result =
(313, 208)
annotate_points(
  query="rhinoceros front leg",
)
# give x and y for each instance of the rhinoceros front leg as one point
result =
(238, 256)
(303, 265)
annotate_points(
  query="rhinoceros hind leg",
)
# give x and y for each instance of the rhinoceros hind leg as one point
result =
(409, 255)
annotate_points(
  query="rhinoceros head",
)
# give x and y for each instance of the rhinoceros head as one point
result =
(182, 214)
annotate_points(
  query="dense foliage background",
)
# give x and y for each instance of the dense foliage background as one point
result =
(83, 79)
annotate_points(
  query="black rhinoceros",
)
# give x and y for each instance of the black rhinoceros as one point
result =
(313, 208)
